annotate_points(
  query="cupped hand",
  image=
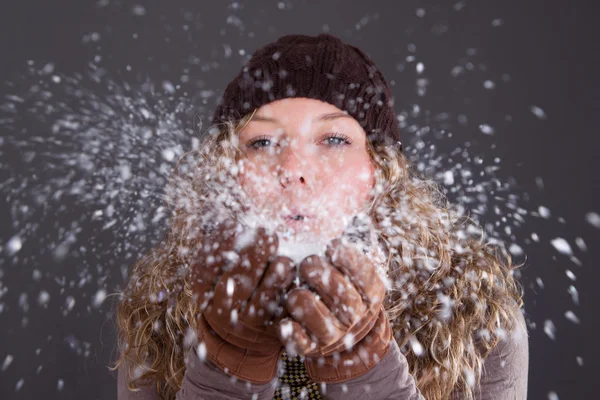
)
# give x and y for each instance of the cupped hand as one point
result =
(240, 284)
(338, 321)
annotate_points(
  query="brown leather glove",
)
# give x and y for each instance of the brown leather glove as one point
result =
(241, 297)
(338, 323)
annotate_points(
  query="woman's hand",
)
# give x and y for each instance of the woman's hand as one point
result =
(240, 298)
(339, 323)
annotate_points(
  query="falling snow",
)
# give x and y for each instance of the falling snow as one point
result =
(562, 246)
(486, 129)
(110, 149)
(593, 218)
(550, 329)
(538, 112)
(570, 315)
(552, 396)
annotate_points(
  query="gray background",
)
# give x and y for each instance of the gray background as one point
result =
(549, 49)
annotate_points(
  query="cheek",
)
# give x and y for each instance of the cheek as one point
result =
(257, 181)
(350, 184)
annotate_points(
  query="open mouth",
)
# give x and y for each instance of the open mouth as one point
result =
(297, 217)
(296, 224)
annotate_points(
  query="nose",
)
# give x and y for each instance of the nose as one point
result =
(292, 168)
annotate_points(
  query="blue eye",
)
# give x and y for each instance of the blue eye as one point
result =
(342, 140)
(255, 144)
(331, 140)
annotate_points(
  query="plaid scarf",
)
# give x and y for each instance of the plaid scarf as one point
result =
(295, 383)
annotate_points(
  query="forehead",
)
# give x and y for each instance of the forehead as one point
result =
(299, 109)
(302, 115)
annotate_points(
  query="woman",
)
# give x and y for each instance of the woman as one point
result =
(305, 258)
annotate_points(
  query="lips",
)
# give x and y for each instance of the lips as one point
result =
(297, 215)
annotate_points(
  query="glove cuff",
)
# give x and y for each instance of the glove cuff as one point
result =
(249, 365)
(357, 361)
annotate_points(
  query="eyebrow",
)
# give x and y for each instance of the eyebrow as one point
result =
(322, 117)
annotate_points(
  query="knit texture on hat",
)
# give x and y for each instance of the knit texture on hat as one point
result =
(320, 67)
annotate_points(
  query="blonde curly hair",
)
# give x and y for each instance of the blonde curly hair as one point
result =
(451, 292)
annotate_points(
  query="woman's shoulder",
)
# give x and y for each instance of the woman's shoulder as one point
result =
(507, 364)
(512, 344)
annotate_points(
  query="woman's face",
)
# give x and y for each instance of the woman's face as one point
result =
(305, 167)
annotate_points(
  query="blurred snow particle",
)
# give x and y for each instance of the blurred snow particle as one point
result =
(230, 287)
(286, 329)
(489, 84)
(552, 396)
(581, 244)
(168, 87)
(593, 218)
(515, 249)
(48, 69)
(579, 361)
(14, 245)
(544, 212)
(550, 329)
(190, 337)
(540, 282)
(235, 21)
(420, 12)
(497, 22)
(201, 351)
(416, 346)
(60, 252)
(571, 275)
(539, 181)
(349, 340)
(139, 370)
(60, 384)
(125, 171)
(570, 315)
(448, 178)
(574, 294)
(168, 154)
(445, 312)
(456, 71)
(90, 37)
(228, 51)
(36, 275)
(23, 303)
(138, 10)
(538, 112)
(43, 298)
(420, 68)
(562, 246)
(422, 86)
(486, 129)
(470, 376)
(460, 5)
(7, 361)
(69, 304)
(99, 297)
(365, 20)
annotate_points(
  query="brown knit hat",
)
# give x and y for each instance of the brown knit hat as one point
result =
(320, 67)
